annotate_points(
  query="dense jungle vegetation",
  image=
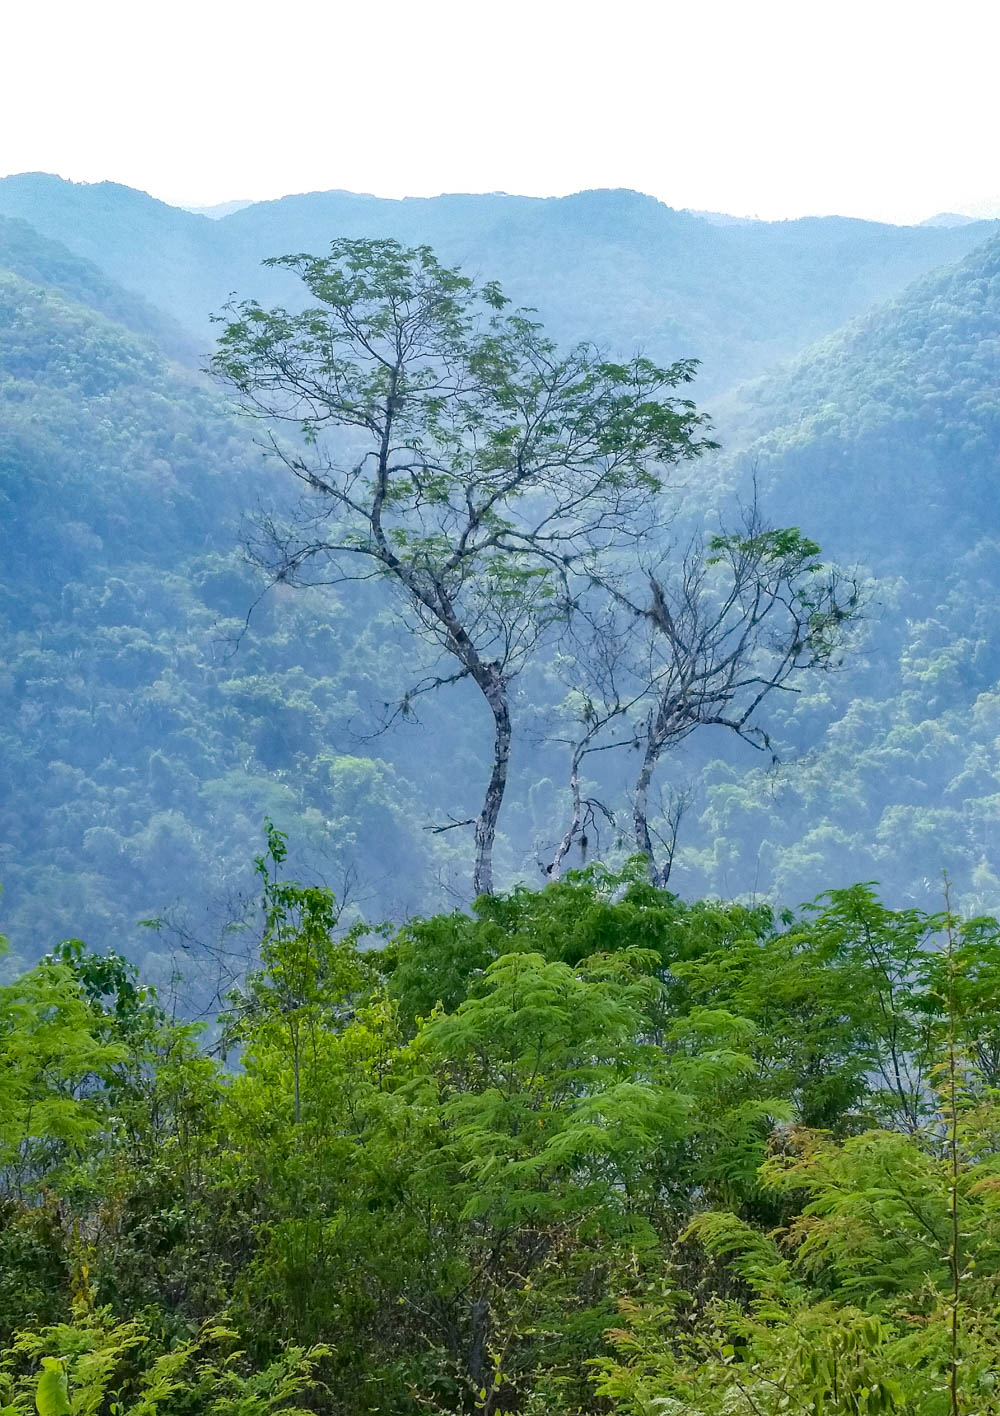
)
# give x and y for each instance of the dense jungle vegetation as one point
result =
(589, 1149)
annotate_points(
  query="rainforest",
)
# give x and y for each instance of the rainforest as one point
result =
(500, 714)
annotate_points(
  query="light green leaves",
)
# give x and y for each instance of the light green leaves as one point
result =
(51, 1047)
(52, 1394)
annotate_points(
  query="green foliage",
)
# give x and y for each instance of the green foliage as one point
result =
(591, 1149)
(850, 1307)
(95, 1364)
(588, 1148)
(306, 975)
(51, 1055)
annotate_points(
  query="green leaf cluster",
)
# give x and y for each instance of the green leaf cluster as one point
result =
(590, 1149)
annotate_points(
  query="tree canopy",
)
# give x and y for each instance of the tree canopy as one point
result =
(448, 446)
(589, 1150)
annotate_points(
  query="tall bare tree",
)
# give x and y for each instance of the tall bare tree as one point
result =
(446, 445)
(704, 640)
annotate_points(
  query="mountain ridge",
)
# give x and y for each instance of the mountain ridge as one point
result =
(142, 751)
(614, 265)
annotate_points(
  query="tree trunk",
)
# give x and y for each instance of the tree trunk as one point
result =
(661, 729)
(477, 1357)
(494, 690)
(572, 830)
(640, 809)
(659, 875)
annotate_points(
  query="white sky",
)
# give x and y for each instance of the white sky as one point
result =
(885, 109)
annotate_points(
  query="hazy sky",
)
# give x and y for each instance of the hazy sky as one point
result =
(885, 109)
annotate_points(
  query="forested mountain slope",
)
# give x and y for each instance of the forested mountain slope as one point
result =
(139, 750)
(143, 245)
(889, 431)
(145, 735)
(25, 253)
(614, 266)
(885, 442)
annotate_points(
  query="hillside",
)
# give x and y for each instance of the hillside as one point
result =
(148, 730)
(884, 441)
(139, 751)
(888, 431)
(25, 253)
(614, 266)
(142, 245)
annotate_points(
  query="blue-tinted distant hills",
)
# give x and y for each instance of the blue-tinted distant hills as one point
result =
(886, 435)
(33, 257)
(614, 265)
(140, 748)
(884, 441)
(948, 218)
(220, 209)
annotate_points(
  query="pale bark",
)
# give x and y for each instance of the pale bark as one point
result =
(576, 818)
(640, 811)
(494, 690)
